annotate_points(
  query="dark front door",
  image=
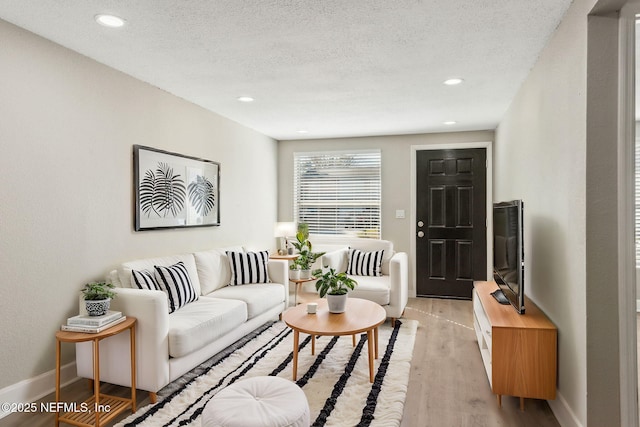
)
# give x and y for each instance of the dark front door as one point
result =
(451, 237)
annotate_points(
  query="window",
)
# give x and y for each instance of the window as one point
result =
(338, 192)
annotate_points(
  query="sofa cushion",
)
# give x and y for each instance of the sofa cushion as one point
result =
(259, 297)
(363, 263)
(213, 268)
(201, 322)
(374, 289)
(145, 279)
(126, 278)
(326, 244)
(176, 283)
(248, 267)
(338, 259)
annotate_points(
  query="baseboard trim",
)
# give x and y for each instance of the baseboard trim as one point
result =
(33, 389)
(563, 412)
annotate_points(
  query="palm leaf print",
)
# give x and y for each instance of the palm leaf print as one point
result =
(201, 195)
(147, 190)
(162, 192)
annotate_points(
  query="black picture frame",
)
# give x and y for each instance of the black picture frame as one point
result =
(174, 190)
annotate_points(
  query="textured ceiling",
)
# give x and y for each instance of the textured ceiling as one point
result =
(335, 68)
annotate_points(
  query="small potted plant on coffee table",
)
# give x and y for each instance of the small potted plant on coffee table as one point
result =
(335, 286)
(97, 297)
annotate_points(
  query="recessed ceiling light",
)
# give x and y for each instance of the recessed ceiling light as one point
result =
(245, 99)
(450, 122)
(302, 131)
(453, 81)
(110, 21)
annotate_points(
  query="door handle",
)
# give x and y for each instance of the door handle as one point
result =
(421, 234)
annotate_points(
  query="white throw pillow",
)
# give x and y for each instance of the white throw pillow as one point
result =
(213, 268)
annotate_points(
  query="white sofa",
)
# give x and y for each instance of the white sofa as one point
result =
(169, 345)
(391, 290)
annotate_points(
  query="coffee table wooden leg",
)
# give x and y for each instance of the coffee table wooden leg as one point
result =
(371, 350)
(375, 339)
(296, 337)
(353, 339)
(313, 344)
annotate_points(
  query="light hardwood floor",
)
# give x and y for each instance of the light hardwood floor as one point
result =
(447, 386)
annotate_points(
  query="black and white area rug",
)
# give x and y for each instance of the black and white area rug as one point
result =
(335, 380)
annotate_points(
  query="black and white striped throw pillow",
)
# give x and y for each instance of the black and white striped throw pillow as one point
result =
(145, 279)
(365, 263)
(175, 282)
(248, 267)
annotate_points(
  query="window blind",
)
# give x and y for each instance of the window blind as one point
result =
(338, 192)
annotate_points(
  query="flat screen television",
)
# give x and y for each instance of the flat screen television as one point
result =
(508, 253)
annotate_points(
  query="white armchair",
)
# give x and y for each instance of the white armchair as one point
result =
(391, 290)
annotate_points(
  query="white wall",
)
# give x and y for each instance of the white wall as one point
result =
(561, 161)
(67, 127)
(637, 146)
(396, 175)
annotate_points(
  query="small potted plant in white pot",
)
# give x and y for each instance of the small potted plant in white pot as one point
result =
(294, 271)
(97, 297)
(301, 266)
(335, 286)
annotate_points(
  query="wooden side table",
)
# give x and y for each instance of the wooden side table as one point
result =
(298, 283)
(100, 408)
(287, 257)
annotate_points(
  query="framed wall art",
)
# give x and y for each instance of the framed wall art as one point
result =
(173, 190)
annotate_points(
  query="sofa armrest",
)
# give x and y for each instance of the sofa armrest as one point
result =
(399, 284)
(279, 273)
(335, 259)
(151, 310)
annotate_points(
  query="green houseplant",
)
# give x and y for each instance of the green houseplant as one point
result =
(335, 286)
(97, 297)
(306, 256)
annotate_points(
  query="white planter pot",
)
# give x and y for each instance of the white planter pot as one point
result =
(294, 274)
(337, 303)
(97, 307)
(305, 274)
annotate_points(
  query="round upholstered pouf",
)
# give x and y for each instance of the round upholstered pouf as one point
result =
(258, 402)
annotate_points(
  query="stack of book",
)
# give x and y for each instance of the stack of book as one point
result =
(93, 324)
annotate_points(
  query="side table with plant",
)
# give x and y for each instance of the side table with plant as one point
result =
(97, 297)
(301, 266)
(335, 286)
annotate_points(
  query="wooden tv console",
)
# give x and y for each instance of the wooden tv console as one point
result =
(519, 351)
